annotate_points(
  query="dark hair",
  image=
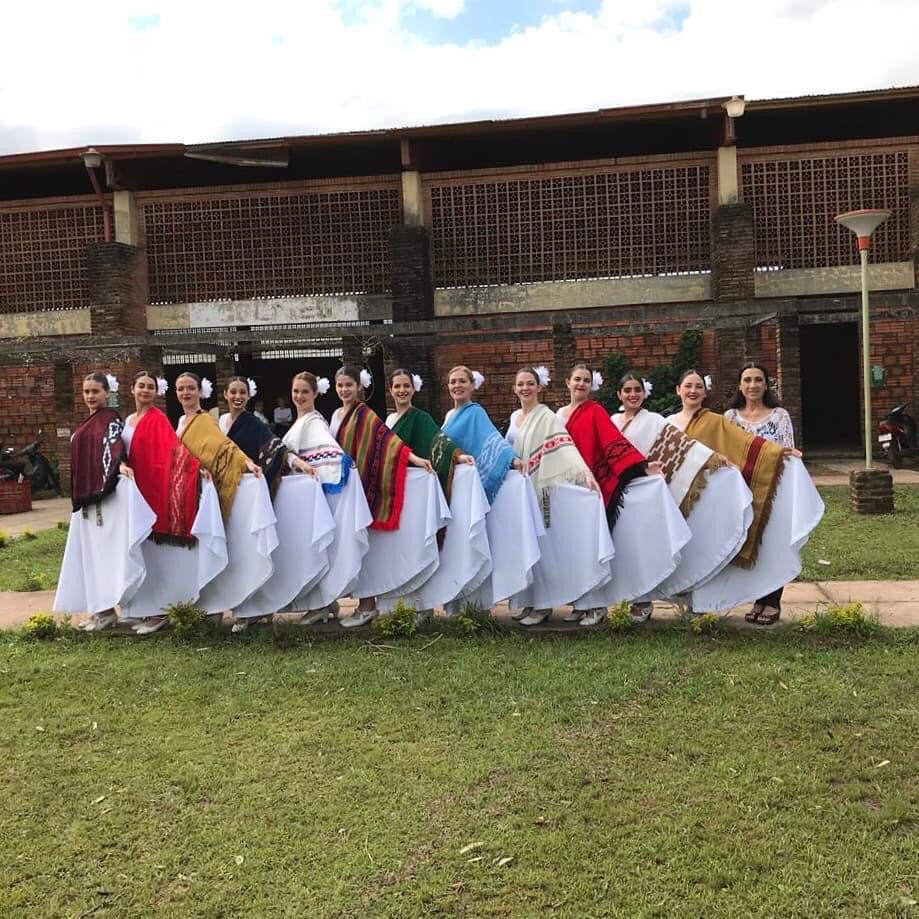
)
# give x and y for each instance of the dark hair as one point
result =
(236, 379)
(689, 372)
(630, 375)
(191, 375)
(349, 370)
(580, 366)
(307, 377)
(770, 400)
(144, 373)
(97, 376)
(529, 370)
(401, 372)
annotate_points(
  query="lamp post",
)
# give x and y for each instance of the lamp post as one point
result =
(863, 223)
(92, 160)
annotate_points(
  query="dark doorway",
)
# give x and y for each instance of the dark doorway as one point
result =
(830, 390)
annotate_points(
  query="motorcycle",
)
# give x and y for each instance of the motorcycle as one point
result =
(30, 463)
(897, 437)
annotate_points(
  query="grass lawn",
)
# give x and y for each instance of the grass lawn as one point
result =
(653, 774)
(38, 559)
(869, 548)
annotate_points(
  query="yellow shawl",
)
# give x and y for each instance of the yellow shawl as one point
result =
(760, 462)
(218, 454)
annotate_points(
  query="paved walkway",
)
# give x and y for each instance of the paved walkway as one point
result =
(896, 603)
(45, 515)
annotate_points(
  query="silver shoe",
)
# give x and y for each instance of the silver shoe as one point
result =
(422, 616)
(151, 625)
(640, 612)
(360, 618)
(240, 626)
(537, 617)
(314, 617)
(98, 622)
(576, 615)
(594, 616)
(522, 613)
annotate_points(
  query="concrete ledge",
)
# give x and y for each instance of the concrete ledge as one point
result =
(571, 295)
(45, 323)
(277, 311)
(840, 280)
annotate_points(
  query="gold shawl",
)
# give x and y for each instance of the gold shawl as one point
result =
(760, 462)
(218, 454)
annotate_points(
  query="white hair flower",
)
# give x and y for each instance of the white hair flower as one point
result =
(366, 378)
(162, 387)
(417, 382)
(707, 380)
(253, 389)
(112, 382)
(596, 380)
(477, 379)
(207, 388)
(542, 374)
(322, 385)
(649, 387)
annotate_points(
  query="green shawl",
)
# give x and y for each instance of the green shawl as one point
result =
(420, 431)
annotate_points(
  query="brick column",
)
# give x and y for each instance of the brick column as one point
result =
(871, 491)
(564, 357)
(788, 371)
(115, 285)
(224, 368)
(63, 418)
(733, 256)
(413, 301)
(730, 350)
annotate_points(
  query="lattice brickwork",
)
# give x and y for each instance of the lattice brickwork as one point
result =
(43, 257)
(795, 201)
(599, 225)
(270, 245)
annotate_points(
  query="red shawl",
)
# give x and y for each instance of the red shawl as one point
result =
(611, 457)
(381, 459)
(167, 476)
(96, 452)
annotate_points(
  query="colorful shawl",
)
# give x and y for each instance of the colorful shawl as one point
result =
(611, 458)
(549, 455)
(471, 429)
(167, 475)
(421, 433)
(218, 454)
(761, 464)
(96, 453)
(310, 438)
(685, 462)
(382, 462)
(261, 446)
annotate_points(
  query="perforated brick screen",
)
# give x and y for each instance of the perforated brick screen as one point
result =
(795, 200)
(43, 256)
(598, 224)
(245, 246)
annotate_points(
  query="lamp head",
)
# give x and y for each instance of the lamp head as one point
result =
(735, 106)
(92, 158)
(863, 223)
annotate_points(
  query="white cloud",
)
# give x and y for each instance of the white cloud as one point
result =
(170, 70)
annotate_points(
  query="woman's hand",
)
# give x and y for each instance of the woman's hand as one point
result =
(791, 451)
(420, 462)
(205, 475)
(126, 471)
(594, 485)
(254, 468)
(303, 466)
(466, 458)
(517, 464)
(655, 469)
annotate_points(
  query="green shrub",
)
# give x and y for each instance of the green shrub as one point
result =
(41, 627)
(28, 534)
(400, 623)
(4, 539)
(63, 525)
(188, 620)
(618, 617)
(30, 583)
(706, 624)
(850, 619)
(473, 620)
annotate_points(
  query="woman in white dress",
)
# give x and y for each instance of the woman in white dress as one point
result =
(407, 506)
(245, 503)
(786, 506)
(310, 439)
(576, 548)
(305, 526)
(465, 560)
(514, 522)
(757, 410)
(710, 492)
(647, 529)
(103, 564)
(187, 548)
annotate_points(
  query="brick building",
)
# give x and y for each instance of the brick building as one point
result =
(493, 244)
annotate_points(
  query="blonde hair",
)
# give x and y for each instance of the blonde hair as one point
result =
(465, 370)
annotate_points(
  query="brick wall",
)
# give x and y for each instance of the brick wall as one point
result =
(26, 406)
(733, 253)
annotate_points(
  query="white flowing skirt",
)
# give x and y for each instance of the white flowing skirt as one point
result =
(575, 550)
(399, 561)
(649, 535)
(514, 525)
(103, 565)
(796, 509)
(305, 529)
(719, 521)
(177, 574)
(465, 558)
(251, 538)
(347, 550)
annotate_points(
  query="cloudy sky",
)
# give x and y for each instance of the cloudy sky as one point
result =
(145, 71)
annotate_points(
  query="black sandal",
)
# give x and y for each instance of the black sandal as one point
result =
(768, 618)
(755, 612)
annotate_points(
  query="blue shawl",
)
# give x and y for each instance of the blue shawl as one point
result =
(471, 430)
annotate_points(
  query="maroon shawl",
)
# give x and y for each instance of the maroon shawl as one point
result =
(96, 453)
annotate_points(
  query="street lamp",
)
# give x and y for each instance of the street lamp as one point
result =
(863, 223)
(92, 160)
